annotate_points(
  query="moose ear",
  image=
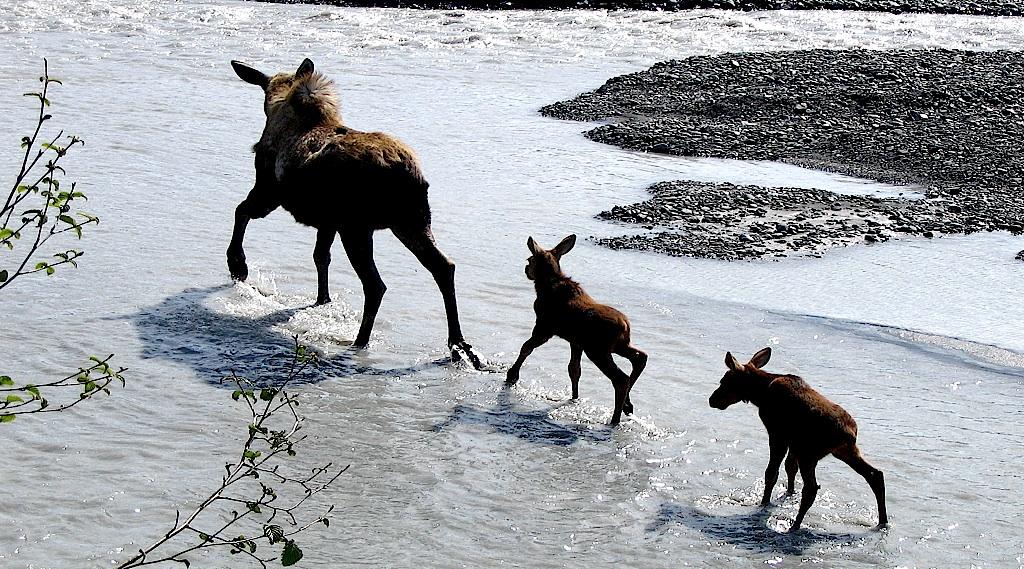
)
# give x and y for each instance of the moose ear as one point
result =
(250, 75)
(534, 247)
(305, 68)
(564, 247)
(761, 358)
(732, 363)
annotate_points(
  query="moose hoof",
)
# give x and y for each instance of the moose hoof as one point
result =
(627, 408)
(322, 301)
(462, 351)
(512, 377)
(238, 269)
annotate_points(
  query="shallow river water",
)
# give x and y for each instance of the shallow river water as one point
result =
(919, 339)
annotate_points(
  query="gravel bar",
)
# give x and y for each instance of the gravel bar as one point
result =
(949, 122)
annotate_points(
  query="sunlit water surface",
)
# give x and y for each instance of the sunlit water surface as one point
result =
(919, 339)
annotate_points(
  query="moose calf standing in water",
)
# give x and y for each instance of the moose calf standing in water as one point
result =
(800, 420)
(342, 182)
(565, 310)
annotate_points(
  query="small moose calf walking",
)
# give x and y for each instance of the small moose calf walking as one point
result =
(799, 420)
(565, 310)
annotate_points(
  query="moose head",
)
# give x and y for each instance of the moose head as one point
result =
(543, 263)
(742, 382)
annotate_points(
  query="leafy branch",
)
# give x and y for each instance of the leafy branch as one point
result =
(29, 398)
(36, 208)
(250, 491)
(35, 211)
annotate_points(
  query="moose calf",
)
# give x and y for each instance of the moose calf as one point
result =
(800, 420)
(565, 310)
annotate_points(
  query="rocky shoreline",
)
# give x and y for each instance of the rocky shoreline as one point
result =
(968, 7)
(949, 122)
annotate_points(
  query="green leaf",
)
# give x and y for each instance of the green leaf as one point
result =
(236, 394)
(33, 390)
(6, 380)
(3, 276)
(50, 271)
(5, 233)
(291, 554)
(267, 394)
(7, 418)
(14, 399)
(67, 219)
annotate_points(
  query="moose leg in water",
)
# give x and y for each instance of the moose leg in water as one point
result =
(638, 359)
(776, 452)
(420, 241)
(575, 371)
(359, 248)
(322, 260)
(257, 205)
(537, 339)
(791, 468)
(620, 381)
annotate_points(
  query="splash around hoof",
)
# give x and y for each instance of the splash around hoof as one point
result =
(462, 351)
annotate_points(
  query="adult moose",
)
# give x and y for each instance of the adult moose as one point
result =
(342, 182)
(798, 420)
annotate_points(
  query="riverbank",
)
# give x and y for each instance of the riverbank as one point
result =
(969, 7)
(950, 123)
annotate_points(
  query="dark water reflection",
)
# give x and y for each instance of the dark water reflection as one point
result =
(531, 426)
(748, 531)
(183, 330)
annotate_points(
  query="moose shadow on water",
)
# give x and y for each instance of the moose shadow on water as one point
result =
(184, 330)
(533, 426)
(748, 531)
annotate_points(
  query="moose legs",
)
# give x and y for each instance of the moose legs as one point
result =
(255, 206)
(771, 473)
(791, 467)
(575, 354)
(637, 361)
(322, 260)
(536, 340)
(359, 248)
(851, 456)
(621, 381)
(420, 241)
(810, 490)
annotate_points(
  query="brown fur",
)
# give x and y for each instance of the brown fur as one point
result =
(342, 182)
(799, 420)
(565, 310)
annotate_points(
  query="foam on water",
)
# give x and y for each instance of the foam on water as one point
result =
(448, 467)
